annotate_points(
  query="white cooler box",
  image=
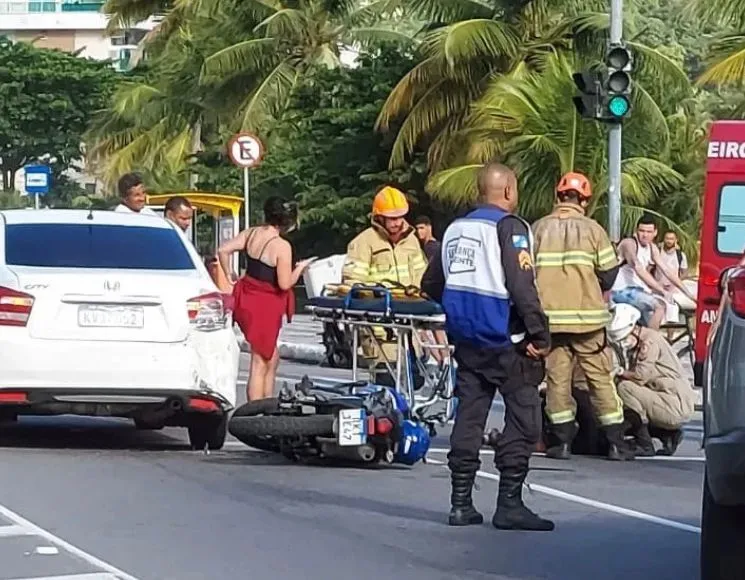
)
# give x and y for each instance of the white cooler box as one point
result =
(322, 272)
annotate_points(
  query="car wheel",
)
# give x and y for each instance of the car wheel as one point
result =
(722, 539)
(209, 431)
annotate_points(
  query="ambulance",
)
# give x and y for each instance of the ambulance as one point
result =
(722, 225)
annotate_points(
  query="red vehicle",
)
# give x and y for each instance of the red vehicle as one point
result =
(722, 224)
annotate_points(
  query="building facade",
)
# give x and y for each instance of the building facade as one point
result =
(76, 26)
(70, 25)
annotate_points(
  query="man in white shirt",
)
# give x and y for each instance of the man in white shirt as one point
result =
(179, 211)
(133, 195)
(635, 283)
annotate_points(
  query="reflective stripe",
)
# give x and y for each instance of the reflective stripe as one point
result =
(559, 259)
(589, 317)
(561, 417)
(606, 257)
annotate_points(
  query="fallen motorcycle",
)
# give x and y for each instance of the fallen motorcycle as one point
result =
(355, 421)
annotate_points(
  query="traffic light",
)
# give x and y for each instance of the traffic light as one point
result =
(619, 60)
(590, 98)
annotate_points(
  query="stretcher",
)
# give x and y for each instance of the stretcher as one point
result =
(409, 320)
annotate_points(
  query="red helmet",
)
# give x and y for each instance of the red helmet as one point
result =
(575, 182)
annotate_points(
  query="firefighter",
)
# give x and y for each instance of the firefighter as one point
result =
(485, 282)
(575, 265)
(656, 393)
(386, 252)
(389, 250)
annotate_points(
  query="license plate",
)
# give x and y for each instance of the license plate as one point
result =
(352, 427)
(111, 316)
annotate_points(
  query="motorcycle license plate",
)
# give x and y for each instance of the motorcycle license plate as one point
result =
(352, 427)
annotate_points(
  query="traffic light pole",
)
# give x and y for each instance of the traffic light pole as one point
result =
(614, 139)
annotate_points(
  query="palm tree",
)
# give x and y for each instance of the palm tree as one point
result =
(475, 42)
(290, 38)
(158, 120)
(524, 118)
(727, 52)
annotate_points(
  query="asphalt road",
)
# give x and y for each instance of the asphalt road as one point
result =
(87, 499)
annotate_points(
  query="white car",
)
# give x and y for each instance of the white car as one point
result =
(112, 314)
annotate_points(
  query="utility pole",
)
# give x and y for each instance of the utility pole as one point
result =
(615, 136)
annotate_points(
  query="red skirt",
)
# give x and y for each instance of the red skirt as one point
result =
(258, 310)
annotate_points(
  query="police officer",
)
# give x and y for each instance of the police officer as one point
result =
(485, 281)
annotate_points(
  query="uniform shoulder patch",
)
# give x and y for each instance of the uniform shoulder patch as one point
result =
(524, 259)
(520, 241)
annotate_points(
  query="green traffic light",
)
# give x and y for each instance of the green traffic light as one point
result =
(618, 106)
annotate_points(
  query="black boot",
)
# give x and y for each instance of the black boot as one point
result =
(462, 512)
(618, 450)
(511, 513)
(670, 438)
(561, 441)
(634, 426)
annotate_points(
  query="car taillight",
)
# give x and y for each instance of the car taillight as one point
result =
(15, 307)
(736, 292)
(208, 311)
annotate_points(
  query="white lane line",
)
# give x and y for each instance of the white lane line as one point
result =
(655, 458)
(94, 576)
(13, 531)
(609, 507)
(114, 572)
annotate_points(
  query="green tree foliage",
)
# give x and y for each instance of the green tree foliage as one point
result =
(46, 100)
(323, 153)
(485, 78)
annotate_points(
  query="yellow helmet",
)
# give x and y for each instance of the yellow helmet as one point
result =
(390, 202)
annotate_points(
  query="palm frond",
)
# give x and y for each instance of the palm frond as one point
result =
(250, 55)
(456, 186)
(726, 62)
(269, 97)
(287, 24)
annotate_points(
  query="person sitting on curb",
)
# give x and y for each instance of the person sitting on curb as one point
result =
(657, 396)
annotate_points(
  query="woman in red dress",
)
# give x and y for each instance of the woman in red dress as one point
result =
(264, 294)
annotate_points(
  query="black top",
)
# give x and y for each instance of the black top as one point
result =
(258, 269)
(526, 312)
(431, 248)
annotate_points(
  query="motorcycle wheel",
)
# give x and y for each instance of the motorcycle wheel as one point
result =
(282, 426)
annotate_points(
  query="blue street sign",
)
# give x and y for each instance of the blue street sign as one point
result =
(38, 179)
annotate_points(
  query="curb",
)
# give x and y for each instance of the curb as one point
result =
(313, 353)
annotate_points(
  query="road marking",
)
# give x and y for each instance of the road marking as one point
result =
(655, 458)
(609, 507)
(93, 576)
(13, 530)
(114, 573)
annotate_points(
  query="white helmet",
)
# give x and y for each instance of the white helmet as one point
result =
(624, 320)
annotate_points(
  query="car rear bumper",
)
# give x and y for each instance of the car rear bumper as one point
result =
(725, 467)
(205, 362)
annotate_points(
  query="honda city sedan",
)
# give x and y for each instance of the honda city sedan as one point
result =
(113, 314)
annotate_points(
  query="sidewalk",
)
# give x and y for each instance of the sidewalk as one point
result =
(298, 341)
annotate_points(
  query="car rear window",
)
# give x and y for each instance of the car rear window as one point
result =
(731, 219)
(95, 246)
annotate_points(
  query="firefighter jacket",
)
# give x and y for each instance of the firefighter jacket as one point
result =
(575, 265)
(372, 258)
